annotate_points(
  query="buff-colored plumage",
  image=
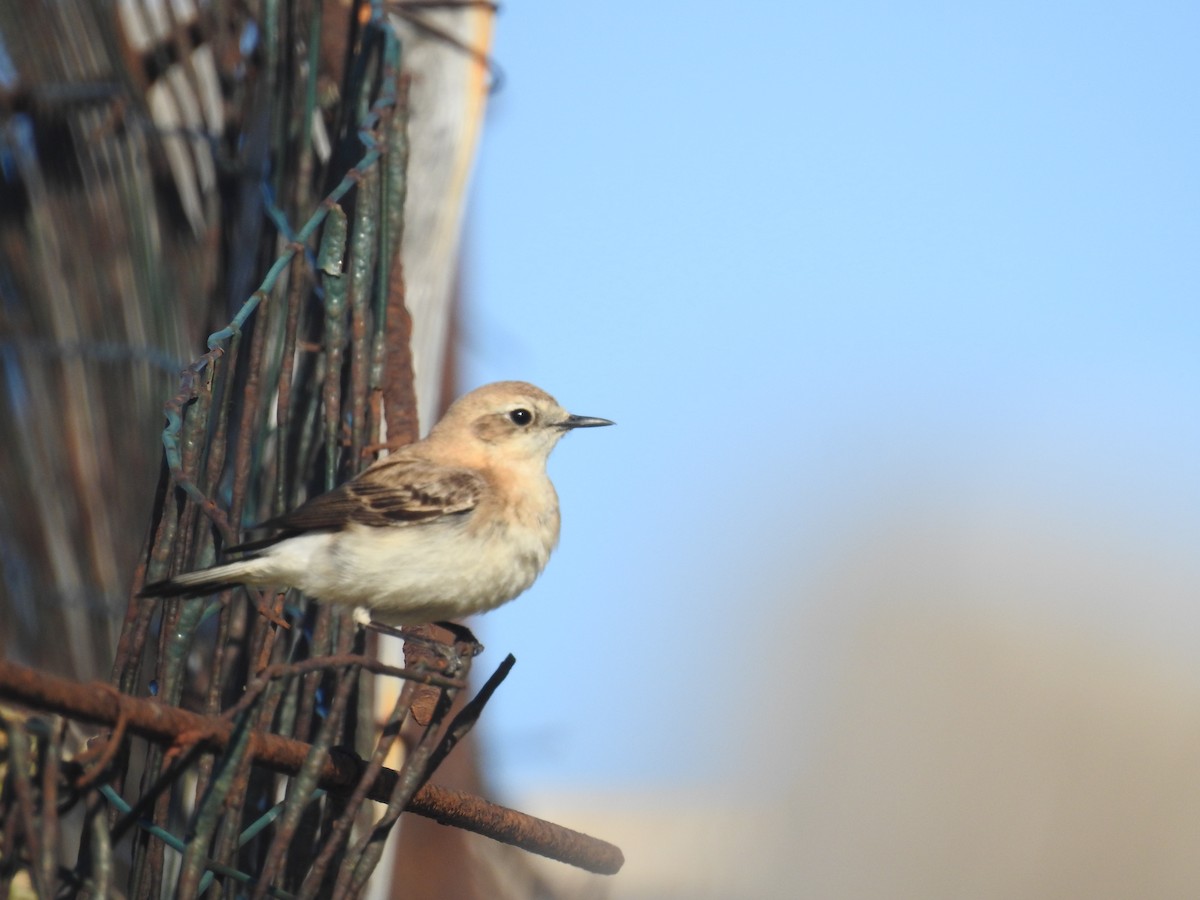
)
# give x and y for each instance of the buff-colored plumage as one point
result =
(455, 524)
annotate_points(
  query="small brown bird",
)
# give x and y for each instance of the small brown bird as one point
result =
(455, 524)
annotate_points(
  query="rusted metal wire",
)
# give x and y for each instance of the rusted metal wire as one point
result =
(215, 712)
(341, 771)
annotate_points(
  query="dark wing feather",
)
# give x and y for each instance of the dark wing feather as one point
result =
(394, 492)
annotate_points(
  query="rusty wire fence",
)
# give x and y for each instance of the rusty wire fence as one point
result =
(240, 754)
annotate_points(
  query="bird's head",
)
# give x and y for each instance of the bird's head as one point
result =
(510, 421)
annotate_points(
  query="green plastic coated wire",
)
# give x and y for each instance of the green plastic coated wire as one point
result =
(216, 340)
(180, 846)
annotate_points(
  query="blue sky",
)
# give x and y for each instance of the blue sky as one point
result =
(821, 264)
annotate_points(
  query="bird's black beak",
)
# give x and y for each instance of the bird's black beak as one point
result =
(583, 422)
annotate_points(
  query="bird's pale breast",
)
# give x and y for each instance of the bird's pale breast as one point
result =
(451, 567)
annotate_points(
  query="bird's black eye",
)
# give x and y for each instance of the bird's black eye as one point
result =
(521, 416)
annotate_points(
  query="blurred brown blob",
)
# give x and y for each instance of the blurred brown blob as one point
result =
(970, 699)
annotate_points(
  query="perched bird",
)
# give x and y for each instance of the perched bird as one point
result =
(455, 524)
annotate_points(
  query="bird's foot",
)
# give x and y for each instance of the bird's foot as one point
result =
(464, 641)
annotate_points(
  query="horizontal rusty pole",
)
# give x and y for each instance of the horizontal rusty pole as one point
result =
(168, 724)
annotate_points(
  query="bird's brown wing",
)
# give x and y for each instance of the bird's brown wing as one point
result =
(395, 491)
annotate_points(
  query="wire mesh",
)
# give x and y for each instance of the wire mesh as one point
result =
(281, 406)
(240, 749)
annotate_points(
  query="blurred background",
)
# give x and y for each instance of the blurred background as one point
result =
(885, 584)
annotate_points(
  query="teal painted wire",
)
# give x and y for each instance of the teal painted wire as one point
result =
(179, 846)
(391, 54)
(118, 802)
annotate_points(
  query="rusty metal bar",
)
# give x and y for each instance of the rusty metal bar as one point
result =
(172, 726)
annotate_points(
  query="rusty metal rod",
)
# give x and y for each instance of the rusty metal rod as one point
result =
(168, 724)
